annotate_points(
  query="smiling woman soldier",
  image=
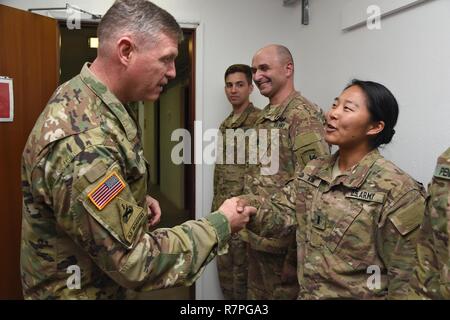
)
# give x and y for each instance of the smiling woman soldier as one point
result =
(356, 213)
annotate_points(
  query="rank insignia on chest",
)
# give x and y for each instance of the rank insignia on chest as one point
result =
(106, 190)
(319, 220)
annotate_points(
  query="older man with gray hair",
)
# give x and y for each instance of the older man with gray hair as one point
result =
(86, 209)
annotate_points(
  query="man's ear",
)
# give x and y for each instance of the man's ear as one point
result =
(251, 88)
(289, 69)
(375, 128)
(125, 50)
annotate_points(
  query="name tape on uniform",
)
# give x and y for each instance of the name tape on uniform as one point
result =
(443, 172)
(366, 196)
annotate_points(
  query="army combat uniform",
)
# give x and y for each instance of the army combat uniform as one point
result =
(84, 182)
(272, 253)
(229, 182)
(431, 277)
(357, 233)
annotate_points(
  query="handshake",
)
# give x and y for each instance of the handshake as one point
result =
(237, 212)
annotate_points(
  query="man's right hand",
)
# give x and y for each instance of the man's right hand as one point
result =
(237, 219)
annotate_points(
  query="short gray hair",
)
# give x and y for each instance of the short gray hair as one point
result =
(139, 17)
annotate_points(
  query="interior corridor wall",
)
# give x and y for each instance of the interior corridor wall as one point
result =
(410, 54)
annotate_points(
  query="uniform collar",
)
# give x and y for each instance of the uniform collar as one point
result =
(244, 115)
(355, 177)
(273, 114)
(116, 107)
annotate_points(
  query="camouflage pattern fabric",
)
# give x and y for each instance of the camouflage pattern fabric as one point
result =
(85, 140)
(431, 276)
(356, 235)
(272, 257)
(229, 182)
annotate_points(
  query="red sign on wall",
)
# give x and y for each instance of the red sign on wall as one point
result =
(6, 100)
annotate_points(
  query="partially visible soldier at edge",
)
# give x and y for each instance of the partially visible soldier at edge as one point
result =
(85, 179)
(229, 177)
(300, 123)
(431, 277)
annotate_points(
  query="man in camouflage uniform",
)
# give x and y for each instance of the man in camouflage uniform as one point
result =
(356, 232)
(431, 277)
(299, 125)
(229, 177)
(85, 179)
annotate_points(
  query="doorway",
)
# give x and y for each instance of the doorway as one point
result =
(172, 185)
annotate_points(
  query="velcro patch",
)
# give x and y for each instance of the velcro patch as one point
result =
(308, 156)
(442, 172)
(132, 217)
(408, 218)
(366, 196)
(305, 139)
(310, 179)
(106, 190)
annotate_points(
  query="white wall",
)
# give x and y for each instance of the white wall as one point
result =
(410, 55)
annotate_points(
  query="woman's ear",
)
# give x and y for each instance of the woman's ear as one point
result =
(375, 128)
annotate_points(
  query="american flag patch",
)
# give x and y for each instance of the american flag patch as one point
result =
(107, 190)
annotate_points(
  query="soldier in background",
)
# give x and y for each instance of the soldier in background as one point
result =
(229, 177)
(299, 126)
(357, 214)
(431, 277)
(85, 180)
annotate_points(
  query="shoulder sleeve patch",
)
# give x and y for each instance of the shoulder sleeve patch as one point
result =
(305, 139)
(106, 190)
(96, 172)
(408, 218)
(110, 202)
(309, 146)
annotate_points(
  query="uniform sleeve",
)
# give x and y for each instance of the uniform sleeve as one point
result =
(95, 207)
(425, 281)
(397, 240)
(307, 135)
(431, 275)
(275, 217)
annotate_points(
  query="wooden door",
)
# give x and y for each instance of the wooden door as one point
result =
(29, 53)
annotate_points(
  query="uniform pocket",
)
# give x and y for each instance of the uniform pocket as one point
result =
(351, 237)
